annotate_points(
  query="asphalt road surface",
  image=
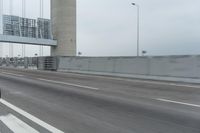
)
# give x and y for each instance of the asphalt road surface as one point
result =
(44, 102)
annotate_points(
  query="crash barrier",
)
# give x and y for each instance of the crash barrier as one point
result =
(172, 66)
(186, 66)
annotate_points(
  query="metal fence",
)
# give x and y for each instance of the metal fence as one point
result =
(41, 63)
(27, 62)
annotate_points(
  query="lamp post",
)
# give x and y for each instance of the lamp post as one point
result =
(138, 28)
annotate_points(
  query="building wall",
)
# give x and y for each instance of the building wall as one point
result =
(63, 16)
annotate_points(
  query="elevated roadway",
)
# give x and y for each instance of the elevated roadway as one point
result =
(75, 103)
(27, 40)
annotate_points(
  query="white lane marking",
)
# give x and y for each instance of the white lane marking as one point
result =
(69, 84)
(177, 102)
(31, 117)
(171, 84)
(16, 125)
(13, 74)
(119, 79)
(180, 85)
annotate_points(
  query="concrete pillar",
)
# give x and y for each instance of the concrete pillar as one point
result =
(63, 16)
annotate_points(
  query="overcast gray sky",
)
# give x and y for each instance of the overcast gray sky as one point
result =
(108, 27)
(167, 27)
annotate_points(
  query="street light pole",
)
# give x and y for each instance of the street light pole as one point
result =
(138, 28)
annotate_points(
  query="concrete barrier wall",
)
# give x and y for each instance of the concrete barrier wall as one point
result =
(172, 66)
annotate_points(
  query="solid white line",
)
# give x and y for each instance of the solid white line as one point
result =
(31, 117)
(170, 84)
(16, 125)
(177, 102)
(180, 85)
(13, 74)
(70, 84)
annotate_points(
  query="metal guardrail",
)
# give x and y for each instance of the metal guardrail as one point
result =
(48, 63)
(41, 63)
(27, 62)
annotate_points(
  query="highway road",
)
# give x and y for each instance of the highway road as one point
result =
(42, 102)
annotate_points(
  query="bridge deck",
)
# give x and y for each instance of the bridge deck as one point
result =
(27, 40)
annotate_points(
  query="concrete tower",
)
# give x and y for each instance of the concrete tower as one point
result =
(63, 16)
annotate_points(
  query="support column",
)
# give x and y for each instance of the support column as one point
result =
(63, 17)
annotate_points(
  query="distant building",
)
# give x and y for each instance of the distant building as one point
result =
(25, 27)
(28, 27)
(17, 26)
(11, 25)
(44, 28)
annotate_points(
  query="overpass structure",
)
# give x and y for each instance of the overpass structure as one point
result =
(27, 40)
(63, 29)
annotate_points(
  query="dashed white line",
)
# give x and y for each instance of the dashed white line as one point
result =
(13, 74)
(69, 84)
(177, 102)
(31, 117)
(16, 125)
(120, 79)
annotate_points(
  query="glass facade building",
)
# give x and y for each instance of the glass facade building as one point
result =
(25, 27)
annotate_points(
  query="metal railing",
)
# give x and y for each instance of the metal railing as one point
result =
(41, 63)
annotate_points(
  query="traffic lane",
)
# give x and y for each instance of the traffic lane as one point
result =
(85, 77)
(101, 110)
(127, 87)
(37, 83)
(91, 77)
(102, 120)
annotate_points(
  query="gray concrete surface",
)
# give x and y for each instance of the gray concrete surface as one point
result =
(4, 110)
(137, 76)
(77, 103)
(177, 68)
(63, 17)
